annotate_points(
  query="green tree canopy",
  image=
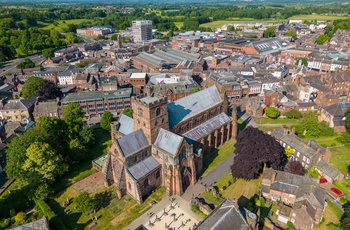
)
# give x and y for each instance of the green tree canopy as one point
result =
(27, 63)
(272, 112)
(106, 120)
(347, 119)
(128, 112)
(32, 86)
(73, 115)
(322, 39)
(85, 202)
(190, 24)
(293, 113)
(269, 32)
(48, 53)
(292, 33)
(302, 60)
(230, 28)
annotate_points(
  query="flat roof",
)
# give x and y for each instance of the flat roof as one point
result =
(138, 75)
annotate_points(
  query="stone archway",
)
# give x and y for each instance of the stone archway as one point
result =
(186, 175)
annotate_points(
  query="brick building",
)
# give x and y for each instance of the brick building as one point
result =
(164, 144)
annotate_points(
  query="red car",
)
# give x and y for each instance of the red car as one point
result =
(323, 180)
(337, 191)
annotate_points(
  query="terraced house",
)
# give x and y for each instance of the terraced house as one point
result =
(164, 144)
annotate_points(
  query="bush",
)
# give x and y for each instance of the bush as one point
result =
(272, 112)
(51, 215)
(344, 138)
(313, 173)
(20, 217)
(293, 114)
(12, 212)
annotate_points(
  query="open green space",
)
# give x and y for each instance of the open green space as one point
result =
(241, 188)
(179, 24)
(332, 214)
(62, 24)
(277, 121)
(317, 17)
(217, 156)
(114, 214)
(220, 23)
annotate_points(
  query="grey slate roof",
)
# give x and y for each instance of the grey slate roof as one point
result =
(225, 217)
(207, 127)
(126, 124)
(132, 142)
(327, 169)
(41, 224)
(46, 107)
(143, 167)
(22, 104)
(168, 141)
(294, 142)
(187, 107)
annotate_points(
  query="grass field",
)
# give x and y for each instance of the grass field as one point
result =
(317, 17)
(179, 24)
(61, 24)
(277, 121)
(215, 157)
(332, 214)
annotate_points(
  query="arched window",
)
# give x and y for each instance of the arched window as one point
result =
(158, 112)
(145, 183)
(140, 112)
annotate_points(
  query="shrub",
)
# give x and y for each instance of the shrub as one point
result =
(12, 212)
(293, 114)
(272, 112)
(20, 217)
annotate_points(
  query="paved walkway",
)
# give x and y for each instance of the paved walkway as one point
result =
(182, 211)
(211, 178)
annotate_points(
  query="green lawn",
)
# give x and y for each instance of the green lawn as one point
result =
(240, 188)
(209, 197)
(330, 216)
(117, 215)
(317, 17)
(267, 128)
(215, 157)
(277, 121)
(61, 24)
(179, 24)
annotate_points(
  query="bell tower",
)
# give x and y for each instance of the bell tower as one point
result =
(150, 114)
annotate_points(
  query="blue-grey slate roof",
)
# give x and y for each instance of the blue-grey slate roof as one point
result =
(187, 107)
(144, 167)
(126, 124)
(225, 217)
(168, 141)
(132, 142)
(207, 127)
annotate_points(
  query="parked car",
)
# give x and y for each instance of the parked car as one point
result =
(323, 180)
(336, 191)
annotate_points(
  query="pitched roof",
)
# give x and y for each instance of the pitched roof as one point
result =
(46, 107)
(132, 142)
(207, 127)
(187, 107)
(168, 141)
(337, 110)
(126, 124)
(143, 167)
(327, 169)
(41, 224)
(225, 217)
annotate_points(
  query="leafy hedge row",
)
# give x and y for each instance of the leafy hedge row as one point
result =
(55, 221)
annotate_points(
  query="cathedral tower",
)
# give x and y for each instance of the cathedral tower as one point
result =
(150, 114)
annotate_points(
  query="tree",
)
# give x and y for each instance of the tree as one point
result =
(254, 149)
(128, 112)
(27, 63)
(230, 28)
(295, 167)
(106, 120)
(345, 219)
(48, 53)
(347, 119)
(43, 164)
(50, 91)
(87, 136)
(269, 32)
(322, 39)
(288, 152)
(73, 115)
(292, 33)
(272, 112)
(190, 24)
(85, 202)
(293, 114)
(114, 37)
(301, 61)
(6, 53)
(32, 86)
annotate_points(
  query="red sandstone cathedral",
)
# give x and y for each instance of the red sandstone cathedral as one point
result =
(164, 143)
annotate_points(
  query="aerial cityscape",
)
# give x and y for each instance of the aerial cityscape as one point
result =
(193, 115)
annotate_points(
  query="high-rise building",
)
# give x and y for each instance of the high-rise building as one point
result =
(142, 30)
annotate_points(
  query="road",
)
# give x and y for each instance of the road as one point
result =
(13, 63)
